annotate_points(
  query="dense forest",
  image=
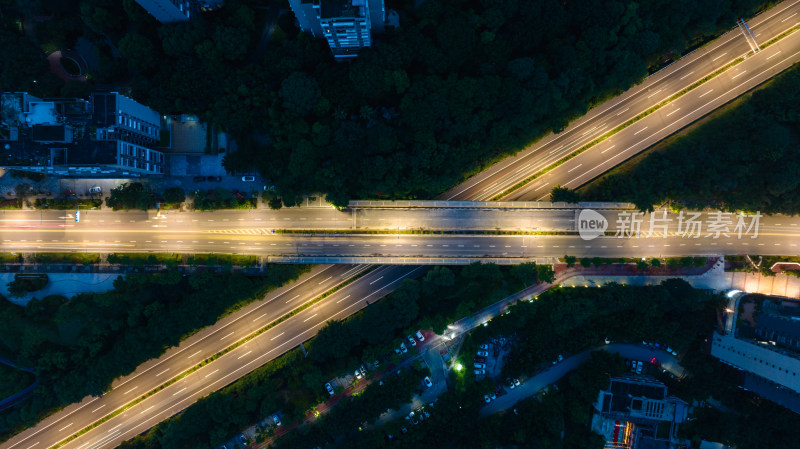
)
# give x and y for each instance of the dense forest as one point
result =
(756, 170)
(79, 346)
(458, 85)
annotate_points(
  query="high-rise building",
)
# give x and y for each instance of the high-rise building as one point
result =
(765, 346)
(347, 25)
(109, 136)
(168, 11)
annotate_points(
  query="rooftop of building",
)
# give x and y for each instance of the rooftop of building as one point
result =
(772, 391)
(623, 391)
(342, 8)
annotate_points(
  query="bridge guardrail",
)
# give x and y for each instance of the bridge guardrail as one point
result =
(487, 204)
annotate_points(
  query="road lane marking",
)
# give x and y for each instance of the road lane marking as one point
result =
(273, 338)
(337, 302)
(198, 352)
(612, 146)
(654, 93)
(684, 76)
(32, 445)
(621, 112)
(259, 317)
(784, 20)
(65, 427)
(320, 282)
(212, 372)
(701, 96)
(147, 409)
(573, 168)
(131, 390)
(774, 54)
(162, 372)
(740, 73)
(290, 300)
(98, 408)
(637, 132)
(312, 316)
(223, 338)
(719, 56)
(674, 111)
(248, 352)
(376, 280)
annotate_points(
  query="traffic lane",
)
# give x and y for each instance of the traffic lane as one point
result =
(651, 129)
(296, 217)
(246, 358)
(195, 348)
(490, 246)
(675, 77)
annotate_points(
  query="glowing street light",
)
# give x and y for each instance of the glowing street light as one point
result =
(459, 367)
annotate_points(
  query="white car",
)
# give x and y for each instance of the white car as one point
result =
(95, 189)
(248, 178)
(638, 367)
(77, 216)
(480, 365)
(428, 382)
(483, 353)
(420, 337)
(329, 388)
(357, 373)
(478, 372)
(486, 398)
(484, 346)
(517, 382)
(511, 385)
(403, 348)
(276, 420)
(411, 340)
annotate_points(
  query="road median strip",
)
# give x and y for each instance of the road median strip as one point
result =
(212, 358)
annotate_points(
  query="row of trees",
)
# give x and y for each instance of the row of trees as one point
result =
(744, 159)
(79, 346)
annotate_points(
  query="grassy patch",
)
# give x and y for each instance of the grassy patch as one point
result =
(222, 259)
(139, 259)
(67, 203)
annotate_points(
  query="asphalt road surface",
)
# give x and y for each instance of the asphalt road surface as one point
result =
(222, 371)
(653, 90)
(777, 235)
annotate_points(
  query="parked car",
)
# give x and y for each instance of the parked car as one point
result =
(478, 372)
(276, 420)
(420, 336)
(363, 369)
(243, 440)
(483, 353)
(215, 178)
(560, 357)
(248, 178)
(199, 178)
(480, 365)
(484, 346)
(510, 383)
(77, 216)
(517, 382)
(403, 348)
(428, 382)
(493, 396)
(480, 360)
(329, 388)
(357, 373)
(411, 340)
(486, 398)
(95, 189)
(638, 367)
